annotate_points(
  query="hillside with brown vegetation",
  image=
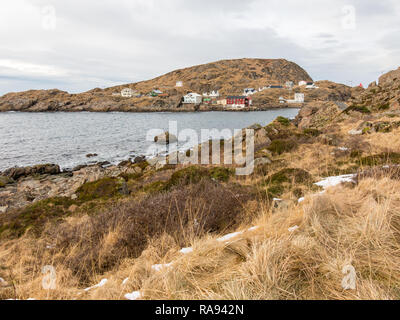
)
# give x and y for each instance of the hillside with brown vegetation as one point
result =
(230, 77)
(278, 233)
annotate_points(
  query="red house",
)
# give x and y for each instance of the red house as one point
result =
(238, 101)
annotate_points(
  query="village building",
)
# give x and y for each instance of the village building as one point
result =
(238, 101)
(282, 100)
(212, 94)
(249, 91)
(302, 83)
(127, 93)
(155, 93)
(275, 87)
(221, 102)
(298, 98)
(311, 85)
(193, 98)
(179, 84)
(289, 84)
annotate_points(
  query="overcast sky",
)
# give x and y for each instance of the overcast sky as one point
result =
(77, 45)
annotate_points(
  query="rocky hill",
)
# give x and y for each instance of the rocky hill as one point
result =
(227, 76)
(382, 96)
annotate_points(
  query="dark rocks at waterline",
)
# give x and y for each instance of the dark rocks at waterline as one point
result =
(91, 155)
(125, 163)
(20, 172)
(139, 159)
(5, 180)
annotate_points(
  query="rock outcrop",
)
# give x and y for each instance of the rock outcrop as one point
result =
(381, 97)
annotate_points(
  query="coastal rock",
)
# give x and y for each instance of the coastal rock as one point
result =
(139, 159)
(3, 209)
(4, 181)
(165, 138)
(261, 139)
(19, 172)
(91, 155)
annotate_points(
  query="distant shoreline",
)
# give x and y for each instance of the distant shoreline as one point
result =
(161, 110)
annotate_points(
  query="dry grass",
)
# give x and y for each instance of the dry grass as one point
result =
(347, 225)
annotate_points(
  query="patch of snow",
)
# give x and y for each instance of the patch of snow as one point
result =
(100, 284)
(253, 228)
(343, 148)
(277, 199)
(293, 229)
(301, 200)
(355, 132)
(186, 250)
(133, 296)
(159, 267)
(229, 236)
(125, 281)
(334, 181)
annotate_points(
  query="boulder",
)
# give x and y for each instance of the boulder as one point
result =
(165, 138)
(261, 139)
(3, 209)
(139, 159)
(16, 173)
(91, 155)
(4, 181)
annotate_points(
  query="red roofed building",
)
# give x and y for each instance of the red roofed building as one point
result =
(238, 101)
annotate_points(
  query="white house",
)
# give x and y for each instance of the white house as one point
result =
(298, 98)
(289, 84)
(311, 85)
(282, 100)
(193, 98)
(127, 93)
(302, 83)
(249, 91)
(212, 94)
(179, 84)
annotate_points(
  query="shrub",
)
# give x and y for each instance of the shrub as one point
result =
(312, 132)
(221, 173)
(183, 213)
(380, 159)
(34, 216)
(283, 121)
(101, 189)
(358, 108)
(281, 146)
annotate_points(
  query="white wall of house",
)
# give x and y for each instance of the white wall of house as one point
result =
(302, 83)
(179, 84)
(127, 93)
(298, 98)
(193, 98)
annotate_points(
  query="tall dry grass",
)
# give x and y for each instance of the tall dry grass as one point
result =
(358, 227)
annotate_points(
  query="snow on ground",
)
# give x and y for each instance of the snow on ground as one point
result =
(125, 281)
(100, 284)
(159, 267)
(229, 236)
(133, 296)
(334, 181)
(186, 250)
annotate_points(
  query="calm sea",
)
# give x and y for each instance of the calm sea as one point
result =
(66, 138)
